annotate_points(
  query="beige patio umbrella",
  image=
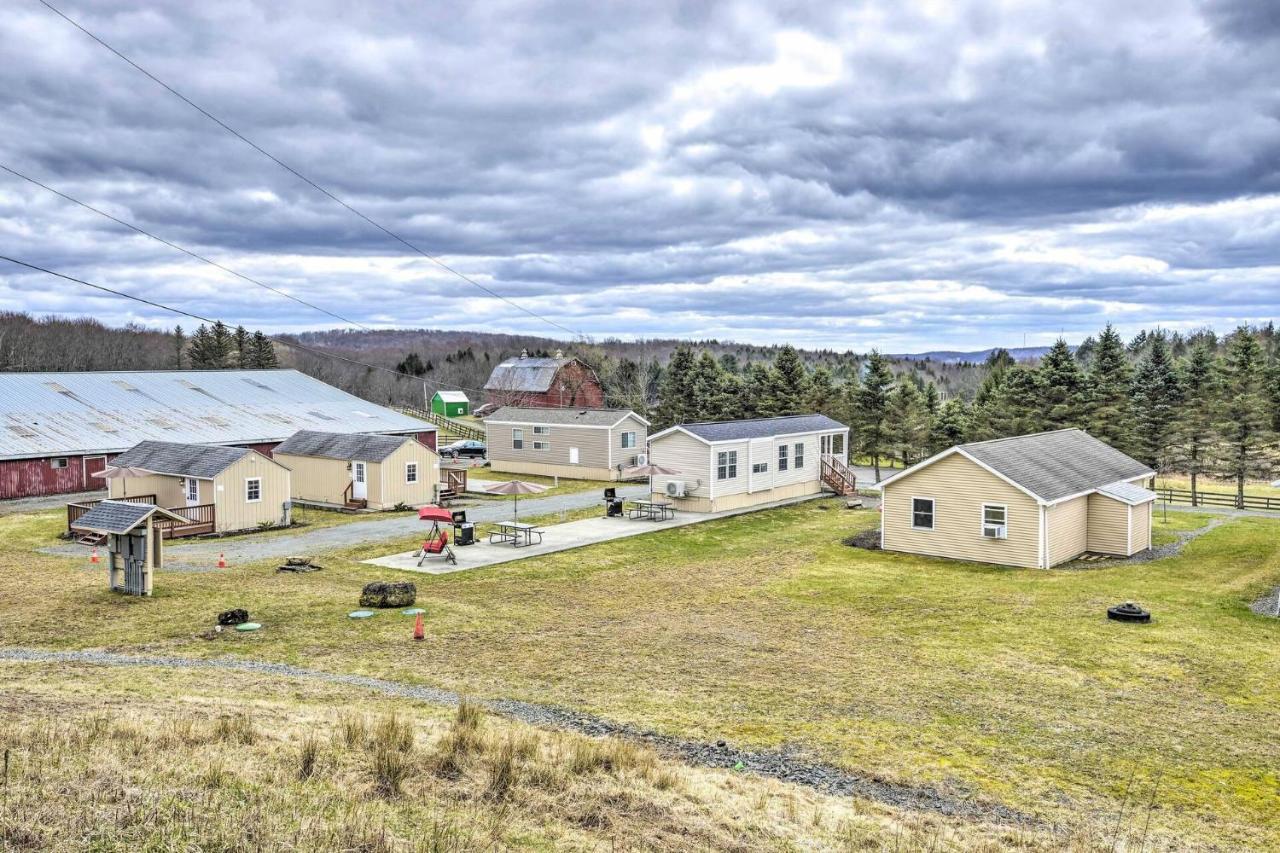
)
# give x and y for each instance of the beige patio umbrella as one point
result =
(651, 470)
(111, 472)
(515, 488)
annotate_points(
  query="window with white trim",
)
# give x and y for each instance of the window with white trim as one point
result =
(922, 513)
(253, 489)
(517, 439)
(760, 468)
(628, 440)
(798, 460)
(782, 457)
(727, 465)
(542, 430)
(995, 519)
(411, 472)
(541, 445)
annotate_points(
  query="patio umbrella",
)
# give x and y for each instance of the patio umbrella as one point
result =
(651, 470)
(516, 488)
(113, 473)
(434, 513)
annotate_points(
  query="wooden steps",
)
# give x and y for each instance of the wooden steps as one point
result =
(837, 476)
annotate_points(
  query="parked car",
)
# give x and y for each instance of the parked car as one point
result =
(466, 447)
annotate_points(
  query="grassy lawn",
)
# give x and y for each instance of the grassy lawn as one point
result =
(766, 631)
(1260, 488)
(565, 486)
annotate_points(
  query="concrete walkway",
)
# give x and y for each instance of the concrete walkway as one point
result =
(561, 537)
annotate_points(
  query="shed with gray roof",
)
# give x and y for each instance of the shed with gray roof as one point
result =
(373, 472)
(1031, 500)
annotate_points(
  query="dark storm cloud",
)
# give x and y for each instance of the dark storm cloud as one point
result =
(902, 175)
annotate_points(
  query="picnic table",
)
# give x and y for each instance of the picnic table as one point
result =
(652, 510)
(517, 533)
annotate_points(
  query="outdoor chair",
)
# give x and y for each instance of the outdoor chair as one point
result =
(439, 546)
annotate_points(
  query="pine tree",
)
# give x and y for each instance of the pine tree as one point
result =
(1063, 389)
(758, 386)
(179, 348)
(674, 391)
(1011, 407)
(1197, 416)
(1156, 396)
(908, 421)
(264, 352)
(412, 365)
(873, 409)
(1273, 390)
(728, 403)
(950, 426)
(823, 397)
(1243, 423)
(1111, 418)
(243, 351)
(705, 383)
(790, 382)
(221, 347)
(200, 348)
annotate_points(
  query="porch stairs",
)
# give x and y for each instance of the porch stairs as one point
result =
(449, 429)
(837, 476)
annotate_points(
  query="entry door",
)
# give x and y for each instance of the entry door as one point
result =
(824, 445)
(359, 483)
(573, 456)
(94, 465)
(760, 452)
(193, 491)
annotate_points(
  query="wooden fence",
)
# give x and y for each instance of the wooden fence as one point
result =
(197, 519)
(1226, 499)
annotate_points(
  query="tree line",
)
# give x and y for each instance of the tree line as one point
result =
(218, 347)
(1197, 404)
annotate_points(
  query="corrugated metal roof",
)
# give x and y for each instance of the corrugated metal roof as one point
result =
(525, 373)
(332, 445)
(1055, 465)
(565, 417)
(54, 414)
(186, 460)
(762, 427)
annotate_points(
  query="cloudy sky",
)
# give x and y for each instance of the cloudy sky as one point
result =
(952, 175)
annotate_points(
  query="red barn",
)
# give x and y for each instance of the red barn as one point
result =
(552, 383)
(58, 429)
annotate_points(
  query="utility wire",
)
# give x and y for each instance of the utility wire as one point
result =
(304, 178)
(282, 341)
(185, 251)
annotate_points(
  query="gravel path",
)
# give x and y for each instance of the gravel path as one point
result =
(786, 765)
(203, 554)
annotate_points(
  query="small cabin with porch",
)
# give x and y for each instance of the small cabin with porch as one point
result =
(360, 471)
(216, 489)
(725, 465)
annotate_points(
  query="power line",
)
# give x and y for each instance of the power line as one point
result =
(185, 251)
(282, 341)
(304, 178)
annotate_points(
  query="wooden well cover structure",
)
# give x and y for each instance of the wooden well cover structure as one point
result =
(135, 548)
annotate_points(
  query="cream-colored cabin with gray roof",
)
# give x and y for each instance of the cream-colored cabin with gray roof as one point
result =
(724, 465)
(360, 471)
(585, 444)
(1033, 501)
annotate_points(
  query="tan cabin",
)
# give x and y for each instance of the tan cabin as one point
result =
(1033, 501)
(585, 444)
(723, 465)
(360, 471)
(217, 489)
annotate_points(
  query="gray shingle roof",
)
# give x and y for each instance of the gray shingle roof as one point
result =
(534, 375)
(114, 517)
(567, 417)
(1128, 493)
(1054, 465)
(762, 427)
(334, 445)
(185, 460)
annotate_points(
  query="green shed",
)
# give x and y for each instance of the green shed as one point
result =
(451, 404)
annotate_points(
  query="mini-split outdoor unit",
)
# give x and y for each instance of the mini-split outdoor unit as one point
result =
(640, 459)
(995, 531)
(675, 488)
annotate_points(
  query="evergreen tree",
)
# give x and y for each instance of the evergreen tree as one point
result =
(758, 386)
(823, 397)
(243, 351)
(1063, 389)
(1243, 423)
(790, 382)
(412, 365)
(931, 400)
(1273, 390)
(706, 381)
(675, 394)
(221, 346)
(201, 349)
(179, 348)
(908, 422)
(873, 409)
(1011, 406)
(264, 352)
(1111, 418)
(1197, 417)
(1156, 396)
(950, 427)
(728, 403)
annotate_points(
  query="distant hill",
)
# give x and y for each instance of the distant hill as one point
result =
(975, 357)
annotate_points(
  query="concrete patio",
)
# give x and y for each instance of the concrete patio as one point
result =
(560, 537)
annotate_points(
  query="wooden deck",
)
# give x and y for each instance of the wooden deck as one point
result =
(199, 519)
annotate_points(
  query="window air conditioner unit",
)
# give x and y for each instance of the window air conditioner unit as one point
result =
(995, 531)
(675, 488)
(640, 459)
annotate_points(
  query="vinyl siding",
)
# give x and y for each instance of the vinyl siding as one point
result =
(689, 456)
(959, 489)
(167, 489)
(1108, 525)
(1142, 527)
(232, 511)
(1068, 529)
(621, 455)
(316, 480)
(592, 444)
(390, 475)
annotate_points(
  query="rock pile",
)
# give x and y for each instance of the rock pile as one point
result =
(388, 594)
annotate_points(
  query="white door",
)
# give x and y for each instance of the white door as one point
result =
(759, 454)
(359, 483)
(573, 456)
(193, 491)
(824, 445)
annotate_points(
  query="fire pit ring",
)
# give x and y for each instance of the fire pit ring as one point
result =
(1128, 612)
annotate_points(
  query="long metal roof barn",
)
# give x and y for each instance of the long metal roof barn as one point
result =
(70, 414)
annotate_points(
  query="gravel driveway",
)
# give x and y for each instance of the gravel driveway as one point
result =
(203, 554)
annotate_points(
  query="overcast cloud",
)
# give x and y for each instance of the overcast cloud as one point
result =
(952, 175)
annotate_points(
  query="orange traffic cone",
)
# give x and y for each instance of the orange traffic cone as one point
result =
(418, 632)
(222, 561)
(94, 558)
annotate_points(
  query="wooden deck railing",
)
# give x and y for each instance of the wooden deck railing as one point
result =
(839, 476)
(198, 519)
(78, 509)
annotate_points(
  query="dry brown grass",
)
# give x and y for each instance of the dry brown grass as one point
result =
(95, 766)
